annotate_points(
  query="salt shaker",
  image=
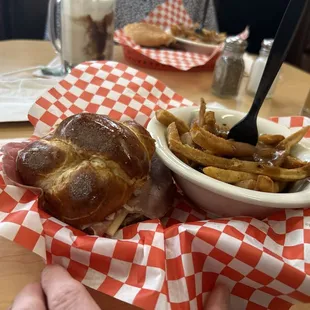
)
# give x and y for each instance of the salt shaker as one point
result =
(257, 70)
(229, 68)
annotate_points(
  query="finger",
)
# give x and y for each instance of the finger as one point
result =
(63, 292)
(300, 307)
(31, 297)
(218, 298)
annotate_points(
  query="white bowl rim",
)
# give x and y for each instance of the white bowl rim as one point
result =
(275, 200)
(194, 43)
(200, 44)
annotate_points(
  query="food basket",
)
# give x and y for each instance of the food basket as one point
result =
(164, 15)
(145, 62)
(168, 264)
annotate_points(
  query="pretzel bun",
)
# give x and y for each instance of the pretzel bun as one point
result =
(148, 35)
(88, 167)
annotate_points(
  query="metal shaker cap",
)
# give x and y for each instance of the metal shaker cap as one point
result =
(267, 44)
(236, 44)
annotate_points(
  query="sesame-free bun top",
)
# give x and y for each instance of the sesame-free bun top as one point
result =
(88, 167)
(148, 35)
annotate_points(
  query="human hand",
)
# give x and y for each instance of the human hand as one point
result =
(59, 291)
(218, 298)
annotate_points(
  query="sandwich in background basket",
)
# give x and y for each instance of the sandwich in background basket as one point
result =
(165, 15)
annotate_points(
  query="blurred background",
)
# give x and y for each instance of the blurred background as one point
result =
(26, 19)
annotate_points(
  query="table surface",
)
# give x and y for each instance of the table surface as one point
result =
(18, 265)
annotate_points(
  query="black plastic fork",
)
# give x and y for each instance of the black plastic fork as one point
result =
(199, 29)
(246, 129)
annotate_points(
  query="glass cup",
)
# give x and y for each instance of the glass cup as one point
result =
(87, 28)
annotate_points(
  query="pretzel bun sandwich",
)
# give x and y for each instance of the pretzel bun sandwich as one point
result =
(90, 167)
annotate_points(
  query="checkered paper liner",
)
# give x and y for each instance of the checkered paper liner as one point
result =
(265, 264)
(164, 15)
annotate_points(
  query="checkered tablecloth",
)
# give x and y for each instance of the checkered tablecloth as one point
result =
(265, 264)
(169, 13)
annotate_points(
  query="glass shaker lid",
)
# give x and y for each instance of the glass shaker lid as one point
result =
(235, 43)
(267, 44)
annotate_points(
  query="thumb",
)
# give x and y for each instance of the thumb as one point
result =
(63, 292)
(218, 298)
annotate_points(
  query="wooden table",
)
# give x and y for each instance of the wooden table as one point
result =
(19, 266)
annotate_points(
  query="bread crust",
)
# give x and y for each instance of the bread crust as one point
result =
(148, 35)
(88, 167)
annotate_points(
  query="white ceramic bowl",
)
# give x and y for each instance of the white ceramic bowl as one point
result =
(220, 198)
(196, 47)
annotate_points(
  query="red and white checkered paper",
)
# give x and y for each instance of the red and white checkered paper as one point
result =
(164, 15)
(265, 264)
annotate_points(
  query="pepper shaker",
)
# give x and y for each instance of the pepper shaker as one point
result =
(257, 70)
(229, 68)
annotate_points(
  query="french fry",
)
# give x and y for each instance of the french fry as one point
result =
(278, 154)
(293, 139)
(211, 126)
(173, 134)
(291, 162)
(117, 222)
(228, 176)
(268, 167)
(204, 159)
(220, 146)
(271, 140)
(269, 155)
(166, 118)
(173, 131)
(222, 130)
(247, 184)
(210, 123)
(202, 112)
(266, 184)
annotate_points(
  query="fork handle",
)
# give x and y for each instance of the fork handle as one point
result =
(283, 40)
(205, 9)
